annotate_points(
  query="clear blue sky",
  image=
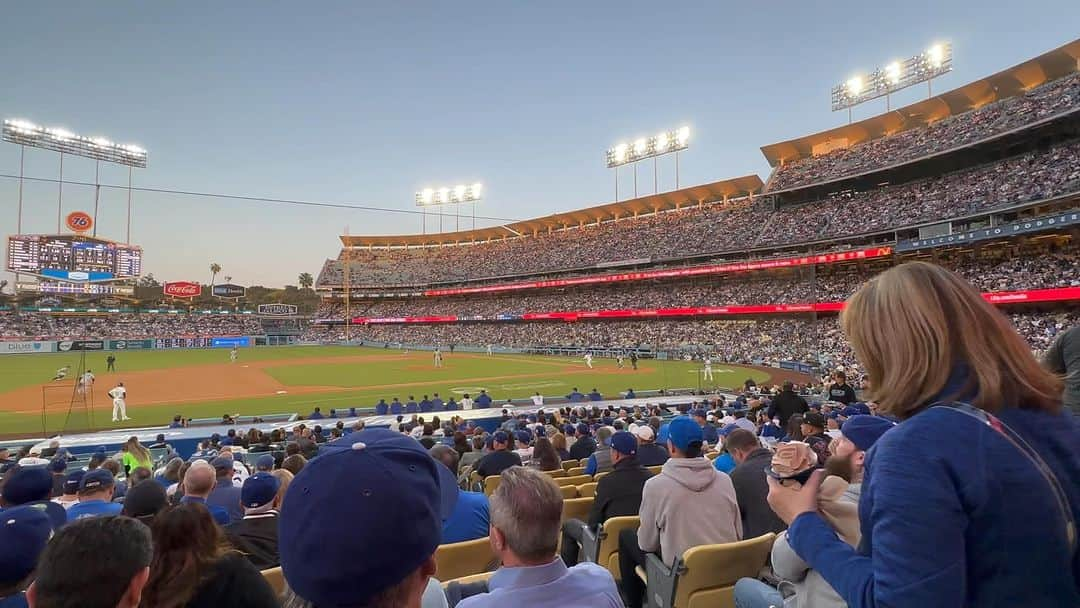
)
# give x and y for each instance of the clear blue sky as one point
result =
(367, 102)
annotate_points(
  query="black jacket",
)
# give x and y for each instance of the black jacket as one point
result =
(651, 454)
(257, 537)
(619, 492)
(234, 582)
(583, 448)
(751, 490)
(496, 462)
(784, 406)
(842, 393)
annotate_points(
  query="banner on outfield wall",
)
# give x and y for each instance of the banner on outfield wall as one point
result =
(1059, 220)
(69, 345)
(277, 310)
(21, 347)
(797, 366)
(825, 258)
(230, 342)
(130, 344)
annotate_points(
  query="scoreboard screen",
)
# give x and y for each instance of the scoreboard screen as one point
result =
(71, 258)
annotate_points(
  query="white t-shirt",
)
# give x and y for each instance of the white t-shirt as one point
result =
(466, 403)
(88, 379)
(118, 392)
(538, 399)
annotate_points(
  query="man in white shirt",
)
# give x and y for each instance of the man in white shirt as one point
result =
(466, 402)
(538, 399)
(119, 405)
(708, 369)
(86, 382)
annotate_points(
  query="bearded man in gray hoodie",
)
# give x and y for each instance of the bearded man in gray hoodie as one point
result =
(688, 504)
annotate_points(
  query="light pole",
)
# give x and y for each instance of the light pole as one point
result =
(668, 142)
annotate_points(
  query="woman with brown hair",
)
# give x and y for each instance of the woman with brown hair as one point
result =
(558, 441)
(972, 500)
(194, 566)
(544, 456)
(135, 455)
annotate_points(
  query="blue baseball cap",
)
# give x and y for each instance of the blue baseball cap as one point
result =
(500, 437)
(265, 463)
(24, 532)
(727, 429)
(259, 489)
(523, 436)
(864, 431)
(568, 429)
(583, 429)
(72, 481)
(699, 413)
(683, 431)
(855, 409)
(397, 497)
(27, 484)
(624, 442)
(664, 434)
(222, 462)
(95, 480)
(58, 464)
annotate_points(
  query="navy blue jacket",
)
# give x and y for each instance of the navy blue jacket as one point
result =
(395, 408)
(381, 408)
(952, 514)
(483, 400)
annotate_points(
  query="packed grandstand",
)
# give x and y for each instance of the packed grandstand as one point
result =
(627, 496)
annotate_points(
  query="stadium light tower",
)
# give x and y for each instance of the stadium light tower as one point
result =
(883, 82)
(668, 142)
(55, 139)
(458, 195)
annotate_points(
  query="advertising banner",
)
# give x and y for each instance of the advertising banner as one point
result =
(277, 310)
(69, 345)
(182, 289)
(228, 290)
(130, 344)
(230, 341)
(26, 346)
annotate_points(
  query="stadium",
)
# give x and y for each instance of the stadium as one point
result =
(715, 299)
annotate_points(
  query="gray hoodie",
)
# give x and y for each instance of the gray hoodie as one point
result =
(688, 504)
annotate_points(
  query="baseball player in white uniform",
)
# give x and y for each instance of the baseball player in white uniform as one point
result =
(708, 368)
(233, 354)
(588, 360)
(437, 355)
(619, 361)
(119, 406)
(538, 400)
(62, 373)
(490, 349)
(86, 383)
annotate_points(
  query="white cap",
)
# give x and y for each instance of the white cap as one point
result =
(644, 432)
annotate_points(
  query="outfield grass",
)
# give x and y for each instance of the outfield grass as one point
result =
(390, 373)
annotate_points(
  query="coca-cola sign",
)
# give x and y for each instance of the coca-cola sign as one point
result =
(182, 289)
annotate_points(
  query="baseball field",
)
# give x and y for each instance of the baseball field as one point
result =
(269, 380)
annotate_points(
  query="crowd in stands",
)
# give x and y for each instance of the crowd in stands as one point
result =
(839, 502)
(33, 325)
(997, 272)
(1056, 97)
(716, 228)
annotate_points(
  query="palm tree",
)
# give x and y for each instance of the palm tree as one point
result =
(305, 280)
(215, 268)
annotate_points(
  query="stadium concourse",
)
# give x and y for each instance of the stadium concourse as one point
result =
(899, 479)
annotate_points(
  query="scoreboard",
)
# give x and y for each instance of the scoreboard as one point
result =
(71, 258)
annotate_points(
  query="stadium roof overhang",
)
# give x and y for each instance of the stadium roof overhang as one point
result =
(664, 201)
(1014, 81)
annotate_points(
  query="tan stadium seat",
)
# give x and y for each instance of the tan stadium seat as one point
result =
(576, 508)
(276, 579)
(569, 491)
(576, 471)
(599, 475)
(655, 470)
(603, 547)
(465, 580)
(586, 490)
(705, 576)
(491, 483)
(569, 464)
(456, 560)
(573, 480)
(559, 473)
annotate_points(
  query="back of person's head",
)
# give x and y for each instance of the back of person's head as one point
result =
(139, 475)
(741, 440)
(446, 455)
(923, 334)
(526, 510)
(187, 542)
(294, 464)
(112, 466)
(545, 454)
(144, 501)
(284, 479)
(97, 562)
(603, 434)
(199, 479)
